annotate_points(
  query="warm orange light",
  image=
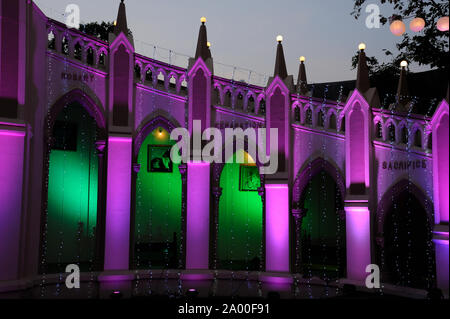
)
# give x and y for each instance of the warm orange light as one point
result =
(442, 24)
(397, 27)
(404, 64)
(279, 38)
(203, 20)
(362, 46)
(417, 24)
(302, 59)
(208, 44)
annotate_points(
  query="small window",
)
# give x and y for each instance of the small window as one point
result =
(418, 138)
(430, 142)
(65, 46)
(297, 114)
(77, 52)
(391, 132)
(149, 75)
(51, 41)
(332, 122)
(343, 124)
(262, 107)
(101, 59)
(90, 56)
(320, 118)
(137, 71)
(379, 131)
(251, 104)
(308, 120)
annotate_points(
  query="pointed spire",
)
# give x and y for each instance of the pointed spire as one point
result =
(362, 77)
(402, 90)
(280, 63)
(202, 43)
(302, 83)
(121, 22)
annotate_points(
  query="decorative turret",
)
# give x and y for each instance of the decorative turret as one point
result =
(370, 94)
(280, 63)
(362, 78)
(280, 67)
(121, 22)
(402, 97)
(302, 83)
(121, 26)
(203, 45)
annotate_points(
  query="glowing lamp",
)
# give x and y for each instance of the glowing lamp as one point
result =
(442, 24)
(203, 20)
(362, 46)
(115, 22)
(397, 27)
(302, 59)
(417, 24)
(279, 38)
(404, 64)
(208, 44)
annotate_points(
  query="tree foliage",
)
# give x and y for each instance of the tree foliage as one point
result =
(428, 47)
(99, 30)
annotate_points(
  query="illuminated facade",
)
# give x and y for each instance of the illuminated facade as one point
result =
(84, 131)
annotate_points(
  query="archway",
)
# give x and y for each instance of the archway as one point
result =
(73, 203)
(240, 216)
(157, 229)
(405, 238)
(318, 212)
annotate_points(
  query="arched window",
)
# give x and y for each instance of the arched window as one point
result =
(418, 138)
(297, 114)
(149, 75)
(90, 56)
(405, 135)
(216, 96)
(262, 107)
(251, 104)
(227, 101)
(172, 83)
(343, 124)
(391, 131)
(332, 122)
(308, 120)
(379, 130)
(51, 41)
(240, 101)
(101, 59)
(320, 118)
(137, 71)
(77, 51)
(430, 141)
(65, 46)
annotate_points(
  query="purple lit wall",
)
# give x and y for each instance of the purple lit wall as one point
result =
(277, 227)
(117, 233)
(442, 163)
(11, 171)
(357, 220)
(441, 247)
(197, 237)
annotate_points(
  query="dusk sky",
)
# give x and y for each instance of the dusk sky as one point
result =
(243, 32)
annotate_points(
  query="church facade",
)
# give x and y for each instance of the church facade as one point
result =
(85, 175)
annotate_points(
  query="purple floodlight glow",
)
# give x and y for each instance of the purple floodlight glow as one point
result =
(277, 227)
(118, 203)
(11, 177)
(197, 237)
(358, 241)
